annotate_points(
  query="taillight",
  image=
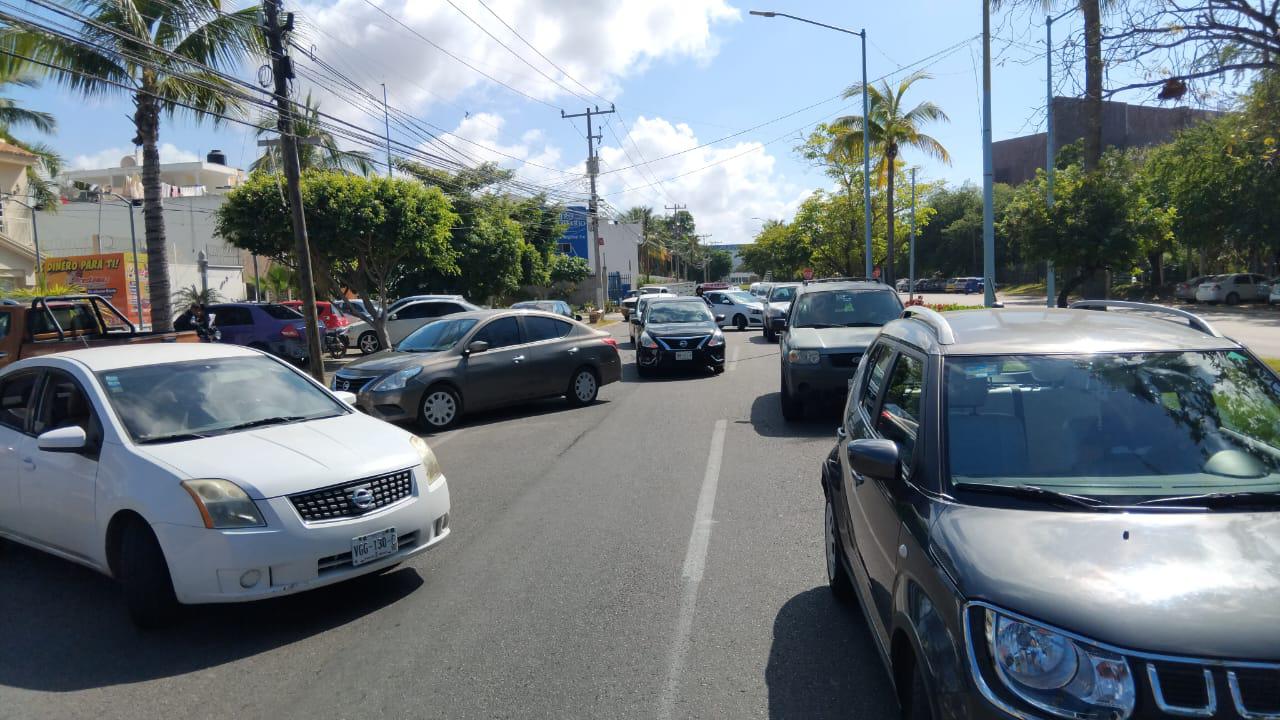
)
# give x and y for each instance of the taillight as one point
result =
(611, 342)
(289, 331)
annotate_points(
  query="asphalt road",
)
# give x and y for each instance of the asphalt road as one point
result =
(655, 555)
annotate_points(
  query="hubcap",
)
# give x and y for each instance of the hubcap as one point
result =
(439, 408)
(369, 343)
(585, 386)
(830, 523)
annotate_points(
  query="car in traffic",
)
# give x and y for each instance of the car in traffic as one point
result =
(629, 300)
(953, 285)
(44, 325)
(1062, 513)
(1186, 290)
(270, 327)
(207, 473)
(680, 333)
(409, 314)
(335, 322)
(636, 322)
(826, 332)
(776, 305)
(479, 360)
(557, 307)
(1233, 288)
(740, 309)
(760, 289)
(1273, 296)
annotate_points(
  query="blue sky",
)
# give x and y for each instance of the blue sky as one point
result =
(682, 73)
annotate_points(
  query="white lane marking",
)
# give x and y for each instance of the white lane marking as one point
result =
(733, 358)
(695, 562)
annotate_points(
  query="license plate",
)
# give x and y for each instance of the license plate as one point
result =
(368, 548)
(684, 354)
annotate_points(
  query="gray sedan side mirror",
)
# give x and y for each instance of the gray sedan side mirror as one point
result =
(477, 346)
(720, 318)
(63, 439)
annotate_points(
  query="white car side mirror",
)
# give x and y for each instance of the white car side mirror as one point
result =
(346, 397)
(63, 439)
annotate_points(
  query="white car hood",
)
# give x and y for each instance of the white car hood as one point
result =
(285, 459)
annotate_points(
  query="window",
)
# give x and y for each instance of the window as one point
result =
(15, 399)
(279, 312)
(712, 297)
(500, 333)
(436, 336)
(69, 316)
(1242, 280)
(4, 325)
(416, 311)
(900, 415)
(877, 366)
(229, 315)
(64, 404)
(440, 309)
(845, 308)
(542, 328)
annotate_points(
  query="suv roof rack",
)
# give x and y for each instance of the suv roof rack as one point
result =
(840, 279)
(941, 328)
(1195, 321)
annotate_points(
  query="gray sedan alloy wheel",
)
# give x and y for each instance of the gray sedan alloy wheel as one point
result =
(369, 343)
(439, 408)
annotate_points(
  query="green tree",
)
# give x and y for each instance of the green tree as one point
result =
(363, 230)
(892, 128)
(568, 270)
(777, 250)
(43, 191)
(157, 49)
(719, 264)
(321, 153)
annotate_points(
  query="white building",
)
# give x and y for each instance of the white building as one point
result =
(17, 253)
(92, 219)
(621, 248)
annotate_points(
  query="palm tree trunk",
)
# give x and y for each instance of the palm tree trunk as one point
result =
(887, 275)
(147, 122)
(1092, 83)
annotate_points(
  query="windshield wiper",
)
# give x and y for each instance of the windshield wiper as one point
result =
(1033, 492)
(176, 437)
(819, 326)
(1243, 498)
(261, 422)
(863, 324)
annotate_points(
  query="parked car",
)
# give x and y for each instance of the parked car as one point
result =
(1186, 291)
(642, 306)
(982, 452)
(632, 297)
(740, 309)
(827, 330)
(776, 306)
(760, 289)
(335, 323)
(408, 315)
(1273, 296)
(120, 459)
(557, 307)
(680, 333)
(902, 285)
(47, 325)
(270, 327)
(1232, 288)
(482, 359)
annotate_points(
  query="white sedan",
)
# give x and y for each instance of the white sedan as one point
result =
(198, 473)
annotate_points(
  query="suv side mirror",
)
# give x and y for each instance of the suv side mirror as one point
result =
(477, 346)
(874, 458)
(780, 324)
(64, 439)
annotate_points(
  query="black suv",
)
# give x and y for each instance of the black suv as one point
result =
(1063, 513)
(826, 330)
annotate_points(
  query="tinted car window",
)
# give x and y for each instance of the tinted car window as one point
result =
(437, 336)
(416, 311)
(64, 405)
(541, 328)
(899, 417)
(4, 325)
(232, 315)
(782, 294)
(280, 312)
(878, 366)
(845, 308)
(440, 309)
(15, 399)
(500, 333)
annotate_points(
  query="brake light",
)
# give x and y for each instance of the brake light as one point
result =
(611, 342)
(289, 331)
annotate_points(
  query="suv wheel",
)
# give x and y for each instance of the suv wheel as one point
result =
(837, 577)
(792, 408)
(148, 589)
(740, 322)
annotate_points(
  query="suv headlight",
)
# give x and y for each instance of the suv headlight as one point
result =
(223, 505)
(396, 380)
(647, 341)
(716, 340)
(1055, 673)
(803, 357)
(430, 466)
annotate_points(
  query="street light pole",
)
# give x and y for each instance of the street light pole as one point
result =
(988, 171)
(133, 238)
(911, 276)
(1050, 150)
(866, 127)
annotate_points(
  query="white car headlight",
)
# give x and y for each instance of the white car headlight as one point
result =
(223, 504)
(647, 341)
(397, 380)
(430, 466)
(716, 340)
(803, 357)
(1058, 674)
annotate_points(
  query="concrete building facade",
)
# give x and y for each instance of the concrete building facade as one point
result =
(17, 251)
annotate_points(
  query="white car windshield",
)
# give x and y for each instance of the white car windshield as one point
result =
(190, 400)
(743, 297)
(1124, 427)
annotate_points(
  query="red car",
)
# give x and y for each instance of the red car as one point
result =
(332, 319)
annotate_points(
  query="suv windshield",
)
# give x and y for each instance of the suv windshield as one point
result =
(436, 337)
(188, 400)
(845, 308)
(782, 294)
(678, 312)
(1125, 426)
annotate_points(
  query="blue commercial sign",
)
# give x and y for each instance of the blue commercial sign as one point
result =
(574, 241)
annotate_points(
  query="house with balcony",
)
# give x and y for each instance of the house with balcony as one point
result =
(17, 252)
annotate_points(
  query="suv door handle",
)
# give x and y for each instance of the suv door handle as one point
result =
(517, 359)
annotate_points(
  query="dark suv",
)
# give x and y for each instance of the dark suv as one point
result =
(826, 330)
(1063, 513)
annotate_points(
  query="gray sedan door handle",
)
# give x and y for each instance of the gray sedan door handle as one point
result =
(517, 359)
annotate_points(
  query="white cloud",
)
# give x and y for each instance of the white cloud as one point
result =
(110, 157)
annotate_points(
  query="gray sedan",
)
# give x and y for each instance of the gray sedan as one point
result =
(479, 360)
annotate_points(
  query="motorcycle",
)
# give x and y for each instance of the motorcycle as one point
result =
(335, 344)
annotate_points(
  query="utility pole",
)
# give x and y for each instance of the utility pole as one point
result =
(282, 71)
(386, 119)
(706, 257)
(593, 219)
(1050, 151)
(674, 209)
(911, 275)
(988, 171)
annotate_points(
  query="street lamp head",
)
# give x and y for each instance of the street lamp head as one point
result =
(764, 13)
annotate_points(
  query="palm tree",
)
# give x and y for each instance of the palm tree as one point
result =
(170, 55)
(12, 115)
(891, 129)
(643, 214)
(325, 155)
